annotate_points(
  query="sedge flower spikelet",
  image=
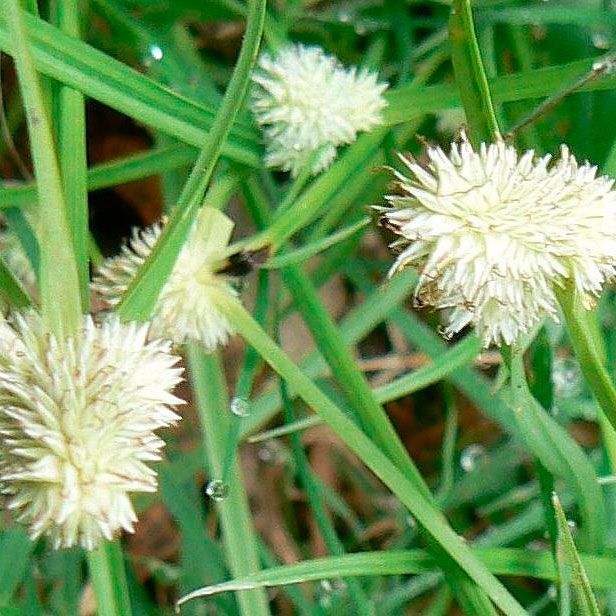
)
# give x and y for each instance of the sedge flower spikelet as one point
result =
(309, 104)
(494, 233)
(186, 307)
(78, 421)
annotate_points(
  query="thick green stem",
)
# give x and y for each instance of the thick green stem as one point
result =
(470, 74)
(106, 565)
(59, 284)
(238, 533)
(588, 352)
(426, 513)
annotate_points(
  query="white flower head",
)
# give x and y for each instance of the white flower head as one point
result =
(77, 425)
(310, 104)
(495, 233)
(186, 307)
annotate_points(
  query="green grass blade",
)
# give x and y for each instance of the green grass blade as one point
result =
(103, 78)
(568, 559)
(559, 453)
(59, 284)
(73, 155)
(427, 515)
(304, 253)
(141, 296)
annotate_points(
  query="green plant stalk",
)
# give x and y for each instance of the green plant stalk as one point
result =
(73, 155)
(108, 577)
(429, 517)
(141, 296)
(470, 74)
(59, 282)
(238, 533)
(588, 352)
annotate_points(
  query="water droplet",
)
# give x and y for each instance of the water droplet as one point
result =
(411, 521)
(345, 16)
(572, 526)
(330, 590)
(601, 39)
(271, 452)
(470, 456)
(217, 490)
(156, 52)
(240, 407)
(567, 377)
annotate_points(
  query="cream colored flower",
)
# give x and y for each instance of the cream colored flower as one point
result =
(495, 232)
(186, 308)
(77, 425)
(309, 103)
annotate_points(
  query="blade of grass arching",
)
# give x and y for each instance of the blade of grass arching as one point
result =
(559, 453)
(143, 292)
(470, 74)
(239, 537)
(413, 498)
(112, 173)
(16, 549)
(571, 569)
(502, 561)
(11, 290)
(59, 285)
(103, 78)
(71, 135)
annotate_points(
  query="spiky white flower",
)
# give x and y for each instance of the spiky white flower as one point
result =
(310, 104)
(77, 421)
(496, 232)
(186, 308)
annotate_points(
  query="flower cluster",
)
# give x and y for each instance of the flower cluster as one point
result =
(495, 232)
(77, 425)
(186, 308)
(309, 105)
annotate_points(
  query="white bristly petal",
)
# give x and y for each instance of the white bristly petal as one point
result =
(186, 308)
(306, 101)
(495, 232)
(77, 425)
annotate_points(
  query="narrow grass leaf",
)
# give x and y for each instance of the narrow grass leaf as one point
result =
(570, 566)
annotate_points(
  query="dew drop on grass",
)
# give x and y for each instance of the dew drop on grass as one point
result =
(567, 378)
(470, 456)
(217, 490)
(240, 407)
